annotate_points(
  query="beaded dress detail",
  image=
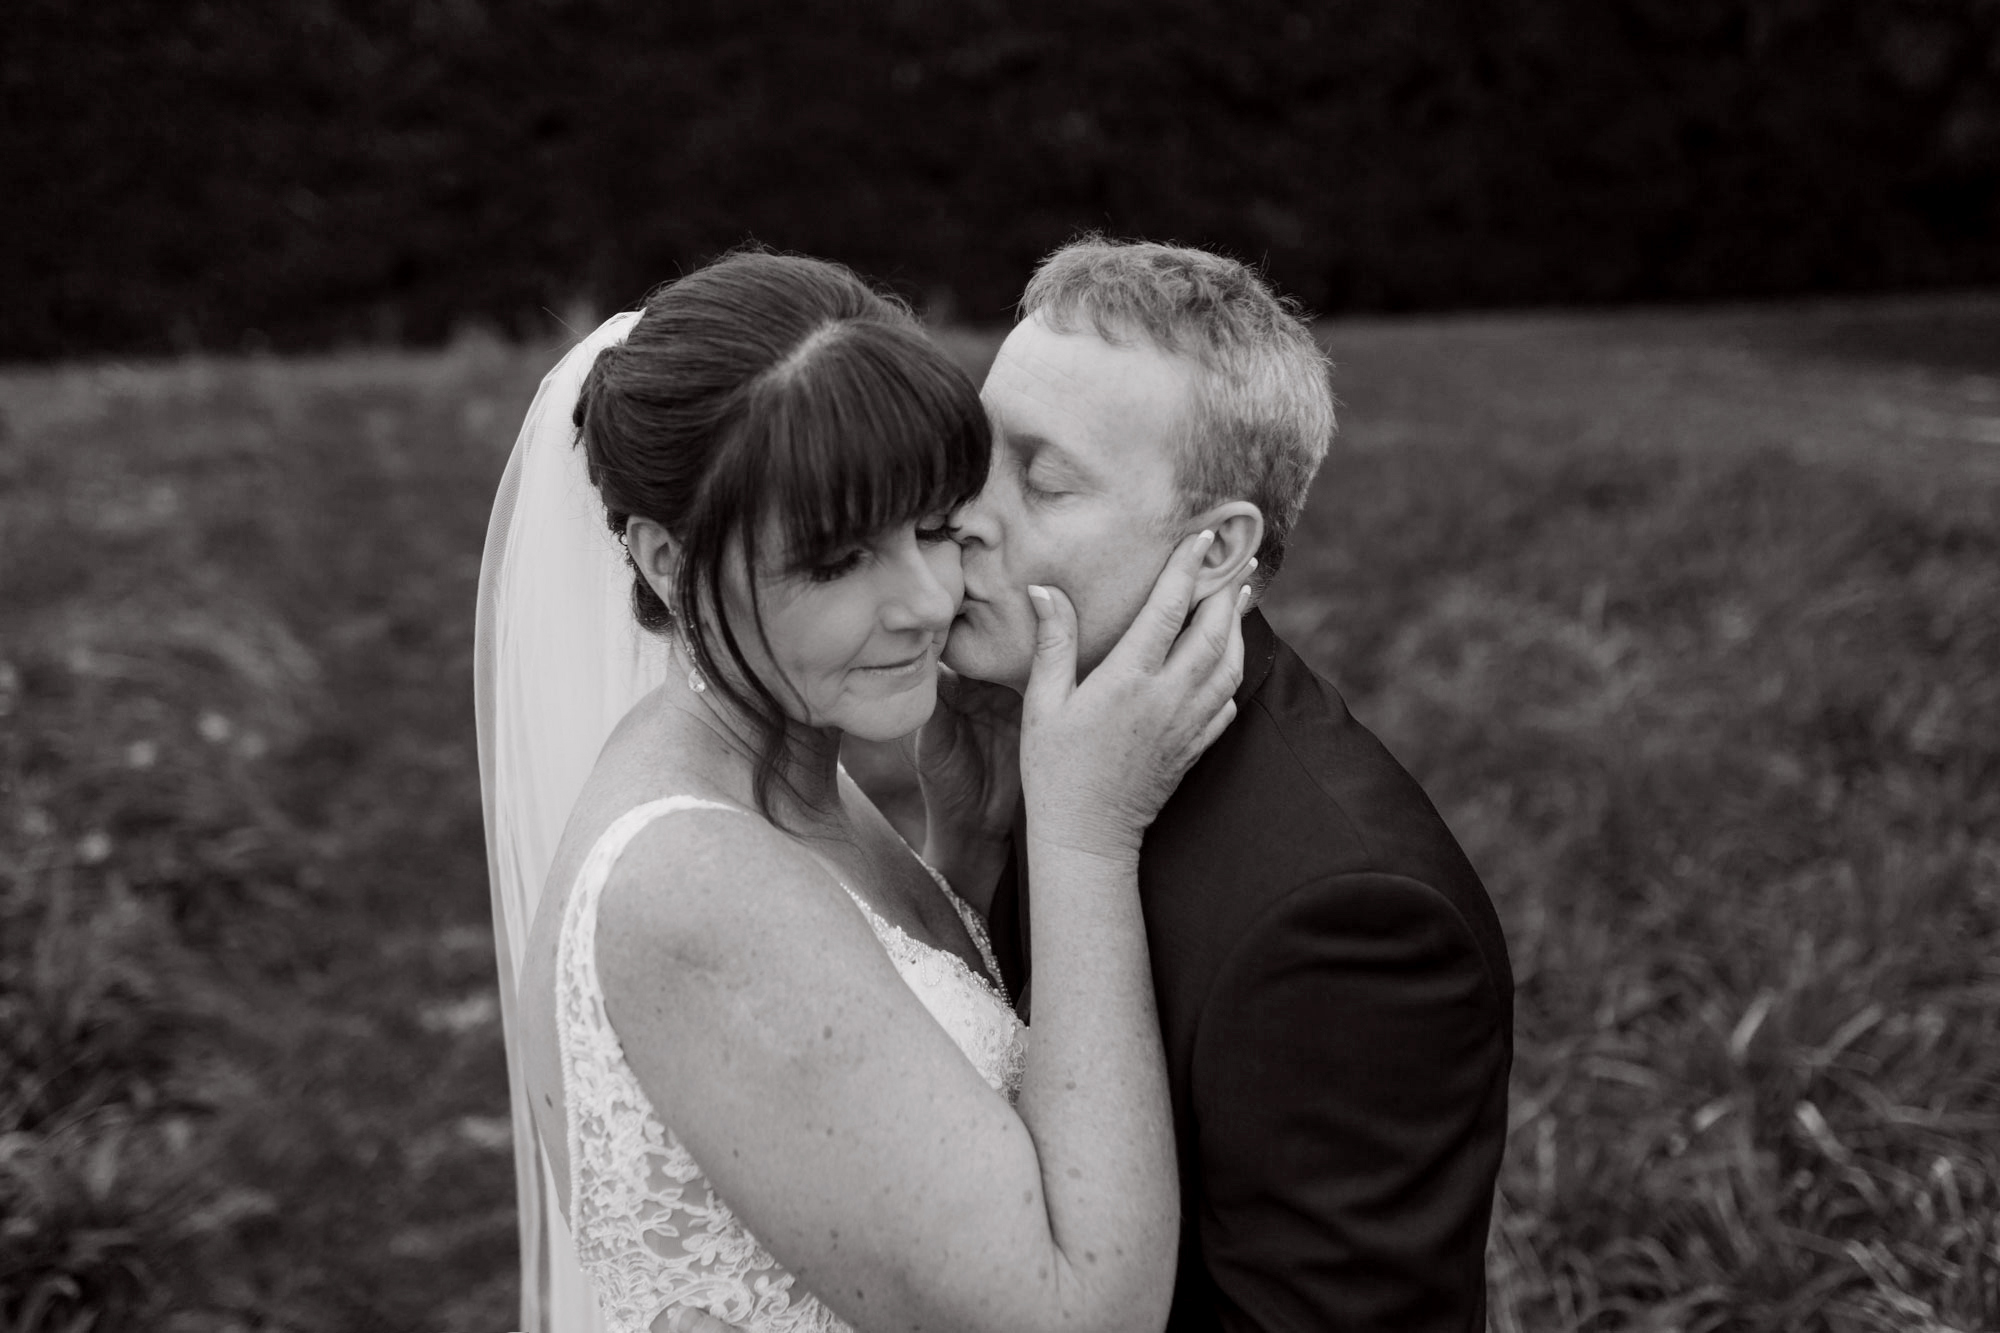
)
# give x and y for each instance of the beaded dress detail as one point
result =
(650, 1231)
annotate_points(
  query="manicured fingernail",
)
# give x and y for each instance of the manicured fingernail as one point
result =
(1253, 563)
(1243, 599)
(1203, 541)
(1040, 596)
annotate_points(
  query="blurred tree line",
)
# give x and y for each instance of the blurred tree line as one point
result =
(222, 173)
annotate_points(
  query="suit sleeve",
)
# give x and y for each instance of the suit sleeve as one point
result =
(1349, 1087)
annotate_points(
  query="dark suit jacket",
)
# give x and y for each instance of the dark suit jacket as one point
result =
(1337, 1009)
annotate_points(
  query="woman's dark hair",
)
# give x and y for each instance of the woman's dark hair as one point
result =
(771, 395)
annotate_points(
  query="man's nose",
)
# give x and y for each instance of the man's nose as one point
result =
(974, 521)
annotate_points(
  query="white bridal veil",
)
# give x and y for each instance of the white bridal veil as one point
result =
(558, 660)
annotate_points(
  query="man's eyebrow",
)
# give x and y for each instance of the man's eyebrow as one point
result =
(1031, 446)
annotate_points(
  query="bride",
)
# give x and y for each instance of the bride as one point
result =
(764, 1045)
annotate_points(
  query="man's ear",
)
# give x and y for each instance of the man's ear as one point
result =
(656, 553)
(1238, 526)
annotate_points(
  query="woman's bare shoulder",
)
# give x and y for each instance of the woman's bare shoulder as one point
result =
(715, 881)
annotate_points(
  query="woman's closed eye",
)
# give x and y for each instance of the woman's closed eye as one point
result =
(837, 566)
(929, 530)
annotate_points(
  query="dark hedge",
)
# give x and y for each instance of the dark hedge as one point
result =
(304, 172)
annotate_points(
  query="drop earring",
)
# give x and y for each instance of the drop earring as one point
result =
(696, 681)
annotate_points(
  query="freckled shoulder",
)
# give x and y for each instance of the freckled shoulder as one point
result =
(718, 891)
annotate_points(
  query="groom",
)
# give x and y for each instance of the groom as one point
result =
(1334, 990)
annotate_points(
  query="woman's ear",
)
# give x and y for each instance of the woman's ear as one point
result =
(656, 555)
(1238, 526)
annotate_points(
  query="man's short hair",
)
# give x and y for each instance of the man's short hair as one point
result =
(1262, 414)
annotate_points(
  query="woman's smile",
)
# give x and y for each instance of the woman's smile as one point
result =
(902, 668)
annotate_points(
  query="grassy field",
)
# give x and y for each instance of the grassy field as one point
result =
(1689, 621)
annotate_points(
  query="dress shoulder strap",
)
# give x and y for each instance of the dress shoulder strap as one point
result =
(611, 843)
(583, 1029)
(575, 943)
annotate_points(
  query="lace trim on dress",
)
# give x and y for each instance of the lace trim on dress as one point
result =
(974, 926)
(969, 1007)
(650, 1230)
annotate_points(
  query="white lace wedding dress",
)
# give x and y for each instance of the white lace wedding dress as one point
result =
(649, 1230)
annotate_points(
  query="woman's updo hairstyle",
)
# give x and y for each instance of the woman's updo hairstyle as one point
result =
(772, 395)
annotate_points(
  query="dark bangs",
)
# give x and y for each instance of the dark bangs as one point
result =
(867, 425)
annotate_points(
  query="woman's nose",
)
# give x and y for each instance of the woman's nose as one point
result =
(922, 599)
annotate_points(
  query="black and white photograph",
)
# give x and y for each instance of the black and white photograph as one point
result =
(1006, 667)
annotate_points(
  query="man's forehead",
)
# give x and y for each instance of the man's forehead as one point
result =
(1054, 386)
(1032, 397)
(1036, 361)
